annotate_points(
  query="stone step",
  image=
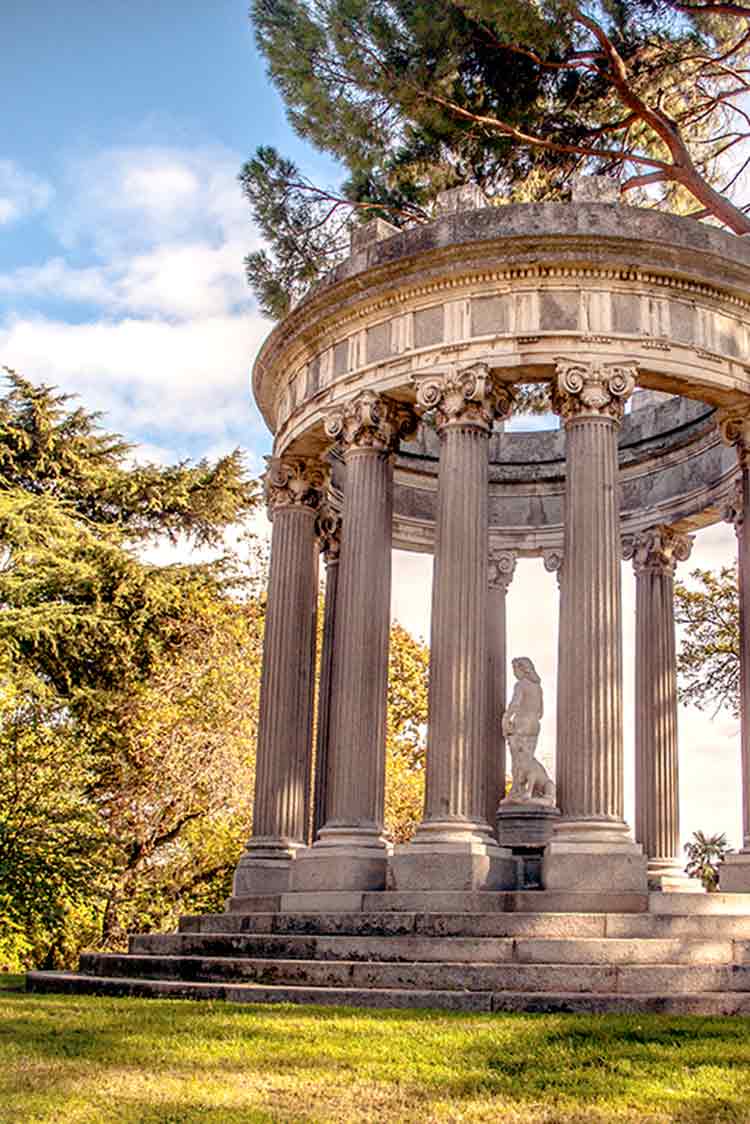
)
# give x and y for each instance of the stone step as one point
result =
(646, 925)
(702, 1003)
(663, 979)
(458, 901)
(689, 904)
(527, 950)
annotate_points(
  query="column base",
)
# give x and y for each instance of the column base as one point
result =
(594, 855)
(264, 868)
(446, 855)
(341, 859)
(734, 873)
(668, 876)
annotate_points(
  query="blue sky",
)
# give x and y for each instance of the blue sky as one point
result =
(122, 234)
(122, 227)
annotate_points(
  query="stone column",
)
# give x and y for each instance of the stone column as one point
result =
(294, 489)
(734, 875)
(329, 536)
(502, 565)
(453, 847)
(350, 852)
(655, 554)
(553, 564)
(591, 848)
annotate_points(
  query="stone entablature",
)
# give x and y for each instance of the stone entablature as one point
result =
(515, 287)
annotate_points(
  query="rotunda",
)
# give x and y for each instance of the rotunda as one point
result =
(385, 390)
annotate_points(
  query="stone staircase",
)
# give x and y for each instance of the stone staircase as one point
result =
(675, 953)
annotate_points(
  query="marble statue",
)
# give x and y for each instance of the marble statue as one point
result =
(531, 782)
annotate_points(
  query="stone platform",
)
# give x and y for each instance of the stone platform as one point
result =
(674, 953)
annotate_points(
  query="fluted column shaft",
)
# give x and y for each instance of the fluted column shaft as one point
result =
(282, 783)
(350, 851)
(743, 577)
(456, 780)
(329, 530)
(657, 821)
(454, 846)
(657, 804)
(360, 670)
(501, 568)
(735, 429)
(592, 751)
(285, 717)
(553, 564)
(591, 848)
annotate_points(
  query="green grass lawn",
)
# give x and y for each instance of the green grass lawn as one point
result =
(67, 1060)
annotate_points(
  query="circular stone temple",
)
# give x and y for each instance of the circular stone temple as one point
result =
(386, 390)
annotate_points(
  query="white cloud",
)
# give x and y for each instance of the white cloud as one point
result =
(153, 239)
(21, 193)
(150, 377)
(126, 198)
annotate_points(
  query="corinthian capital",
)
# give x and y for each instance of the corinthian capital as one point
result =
(733, 510)
(592, 389)
(328, 530)
(370, 421)
(294, 482)
(734, 426)
(471, 397)
(553, 562)
(657, 550)
(502, 566)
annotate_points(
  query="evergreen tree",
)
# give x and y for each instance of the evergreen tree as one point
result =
(126, 689)
(412, 97)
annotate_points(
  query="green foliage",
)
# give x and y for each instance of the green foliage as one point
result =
(705, 853)
(708, 661)
(302, 228)
(50, 449)
(406, 730)
(412, 98)
(127, 690)
(52, 842)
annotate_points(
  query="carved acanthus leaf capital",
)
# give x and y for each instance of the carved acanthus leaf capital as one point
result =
(502, 566)
(370, 421)
(733, 510)
(592, 389)
(473, 396)
(295, 482)
(657, 550)
(734, 426)
(553, 562)
(328, 530)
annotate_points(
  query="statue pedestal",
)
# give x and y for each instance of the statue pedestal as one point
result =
(525, 826)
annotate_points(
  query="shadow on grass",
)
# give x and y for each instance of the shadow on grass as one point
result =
(9, 982)
(692, 1069)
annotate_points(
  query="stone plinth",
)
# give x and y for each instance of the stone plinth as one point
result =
(734, 873)
(526, 828)
(525, 824)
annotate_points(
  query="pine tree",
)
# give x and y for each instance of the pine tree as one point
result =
(412, 97)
